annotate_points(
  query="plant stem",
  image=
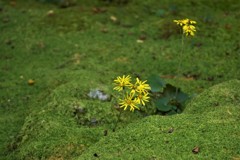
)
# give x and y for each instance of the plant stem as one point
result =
(118, 120)
(180, 60)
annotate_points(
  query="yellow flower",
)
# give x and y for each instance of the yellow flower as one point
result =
(142, 87)
(122, 82)
(178, 22)
(133, 88)
(189, 30)
(184, 22)
(139, 87)
(193, 22)
(142, 98)
(129, 101)
(187, 26)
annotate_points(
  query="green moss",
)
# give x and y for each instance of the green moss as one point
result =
(216, 138)
(53, 131)
(174, 137)
(219, 97)
(76, 49)
(55, 125)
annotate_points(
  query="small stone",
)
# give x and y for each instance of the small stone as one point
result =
(98, 94)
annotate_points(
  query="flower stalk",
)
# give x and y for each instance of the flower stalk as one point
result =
(188, 29)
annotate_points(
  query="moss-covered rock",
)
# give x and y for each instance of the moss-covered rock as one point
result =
(54, 132)
(223, 96)
(56, 129)
(172, 137)
(215, 134)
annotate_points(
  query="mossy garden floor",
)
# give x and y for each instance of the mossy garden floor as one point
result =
(69, 51)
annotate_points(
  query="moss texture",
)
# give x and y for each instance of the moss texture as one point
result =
(54, 132)
(67, 51)
(221, 97)
(214, 131)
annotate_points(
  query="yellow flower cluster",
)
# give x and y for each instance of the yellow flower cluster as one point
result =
(187, 26)
(135, 93)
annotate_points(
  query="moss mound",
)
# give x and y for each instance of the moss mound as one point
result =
(68, 122)
(54, 131)
(172, 137)
(215, 134)
(222, 97)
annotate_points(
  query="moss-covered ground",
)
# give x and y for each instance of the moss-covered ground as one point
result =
(69, 51)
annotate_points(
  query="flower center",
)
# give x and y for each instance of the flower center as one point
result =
(129, 102)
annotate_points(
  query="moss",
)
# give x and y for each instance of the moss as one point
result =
(69, 51)
(55, 125)
(53, 131)
(174, 137)
(219, 97)
(216, 138)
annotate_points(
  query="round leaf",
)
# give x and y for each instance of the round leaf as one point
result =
(162, 104)
(156, 83)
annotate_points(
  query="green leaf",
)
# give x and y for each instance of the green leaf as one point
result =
(174, 108)
(162, 104)
(172, 112)
(170, 91)
(173, 92)
(179, 110)
(156, 83)
(182, 97)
